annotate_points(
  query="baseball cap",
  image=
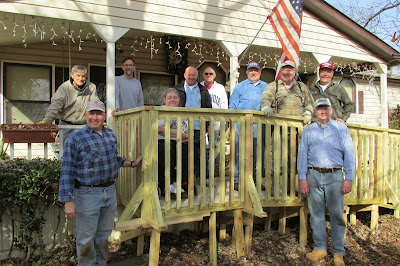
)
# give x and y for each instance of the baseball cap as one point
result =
(95, 105)
(288, 63)
(322, 102)
(253, 64)
(326, 65)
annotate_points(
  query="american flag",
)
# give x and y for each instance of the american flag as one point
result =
(286, 21)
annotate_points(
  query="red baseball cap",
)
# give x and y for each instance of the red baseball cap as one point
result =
(326, 65)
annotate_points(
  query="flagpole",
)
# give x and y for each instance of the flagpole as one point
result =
(248, 46)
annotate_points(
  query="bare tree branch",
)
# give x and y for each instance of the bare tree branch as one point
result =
(379, 12)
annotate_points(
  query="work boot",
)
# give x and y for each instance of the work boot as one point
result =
(338, 260)
(316, 255)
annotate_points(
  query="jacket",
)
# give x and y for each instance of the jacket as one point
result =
(69, 103)
(341, 103)
(205, 96)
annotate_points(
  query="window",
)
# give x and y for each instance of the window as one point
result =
(154, 85)
(357, 98)
(27, 92)
(98, 77)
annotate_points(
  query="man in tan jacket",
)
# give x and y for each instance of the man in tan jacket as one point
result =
(70, 100)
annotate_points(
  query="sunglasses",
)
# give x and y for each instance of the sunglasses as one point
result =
(208, 74)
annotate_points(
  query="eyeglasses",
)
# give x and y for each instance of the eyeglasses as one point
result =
(208, 74)
(129, 65)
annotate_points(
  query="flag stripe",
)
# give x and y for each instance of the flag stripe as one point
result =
(292, 17)
(289, 32)
(286, 21)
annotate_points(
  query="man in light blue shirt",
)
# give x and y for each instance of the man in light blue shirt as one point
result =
(247, 96)
(325, 148)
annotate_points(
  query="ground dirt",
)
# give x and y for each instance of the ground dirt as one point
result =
(268, 248)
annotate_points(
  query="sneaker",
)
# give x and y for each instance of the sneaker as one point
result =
(338, 260)
(316, 255)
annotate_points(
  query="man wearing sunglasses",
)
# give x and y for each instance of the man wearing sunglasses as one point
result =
(219, 99)
(325, 149)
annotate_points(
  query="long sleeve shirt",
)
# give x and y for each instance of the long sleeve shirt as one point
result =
(90, 158)
(247, 96)
(326, 147)
(339, 98)
(219, 99)
(69, 103)
(288, 101)
(128, 93)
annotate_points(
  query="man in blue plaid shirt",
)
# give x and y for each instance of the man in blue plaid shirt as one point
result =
(89, 168)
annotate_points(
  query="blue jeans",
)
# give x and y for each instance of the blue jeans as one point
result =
(237, 152)
(95, 212)
(326, 188)
(66, 132)
(216, 141)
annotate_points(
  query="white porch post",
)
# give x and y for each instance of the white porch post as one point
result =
(110, 35)
(233, 50)
(383, 70)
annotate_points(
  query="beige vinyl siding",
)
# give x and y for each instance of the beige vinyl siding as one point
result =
(215, 20)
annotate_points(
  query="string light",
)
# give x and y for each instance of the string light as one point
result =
(202, 49)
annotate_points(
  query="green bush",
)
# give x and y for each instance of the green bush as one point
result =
(394, 118)
(27, 189)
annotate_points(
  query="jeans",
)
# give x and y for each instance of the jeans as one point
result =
(197, 152)
(326, 188)
(95, 212)
(237, 152)
(66, 132)
(216, 141)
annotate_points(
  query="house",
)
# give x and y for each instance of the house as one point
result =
(41, 41)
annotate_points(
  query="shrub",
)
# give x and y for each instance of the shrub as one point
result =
(394, 118)
(27, 189)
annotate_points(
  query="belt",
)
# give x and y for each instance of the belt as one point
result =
(325, 170)
(106, 184)
(72, 124)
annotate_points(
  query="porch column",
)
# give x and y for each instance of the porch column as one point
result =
(383, 70)
(233, 50)
(110, 35)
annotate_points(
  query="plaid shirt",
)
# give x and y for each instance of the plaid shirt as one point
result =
(90, 158)
(293, 101)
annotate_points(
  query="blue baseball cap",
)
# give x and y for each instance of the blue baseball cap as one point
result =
(253, 64)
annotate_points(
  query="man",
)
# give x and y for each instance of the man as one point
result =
(218, 96)
(325, 148)
(247, 96)
(70, 100)
(342, 106)
(288, 96)
(128, 90)
(194, 95)
(89, 168)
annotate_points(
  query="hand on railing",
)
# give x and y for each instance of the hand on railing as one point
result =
(268, 111)
(307, 117)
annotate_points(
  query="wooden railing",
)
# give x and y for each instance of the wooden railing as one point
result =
(376, 181)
